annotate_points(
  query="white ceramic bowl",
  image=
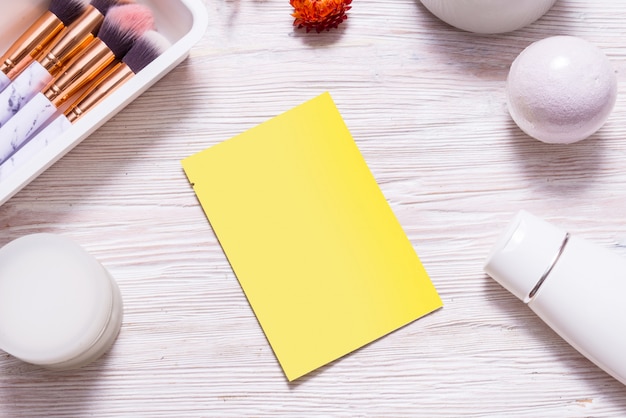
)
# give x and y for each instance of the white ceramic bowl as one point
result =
(183, 22)
(488, 16)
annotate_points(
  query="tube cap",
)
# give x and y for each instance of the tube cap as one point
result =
(524, 253)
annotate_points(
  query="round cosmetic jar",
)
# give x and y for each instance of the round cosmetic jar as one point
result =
(488, 16)
(59, 307)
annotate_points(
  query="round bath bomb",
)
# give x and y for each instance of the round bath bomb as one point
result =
(561, 89)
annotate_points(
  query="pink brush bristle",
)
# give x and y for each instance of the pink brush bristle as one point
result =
(123, 25)
(68, 10)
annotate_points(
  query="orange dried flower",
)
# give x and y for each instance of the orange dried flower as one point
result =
(319, 14)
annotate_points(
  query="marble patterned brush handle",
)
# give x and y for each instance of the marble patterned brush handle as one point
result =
(53, 131)
(24, 124)
(30, 82)
(4, 81)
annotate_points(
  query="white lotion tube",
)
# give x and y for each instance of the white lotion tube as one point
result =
(576, 287)
(30, 82)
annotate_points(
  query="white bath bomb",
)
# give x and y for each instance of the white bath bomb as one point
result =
(488, 16)
(561, 89)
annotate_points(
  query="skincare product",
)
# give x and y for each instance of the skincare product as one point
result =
(576, 287)
(59, 307)
(488, 16)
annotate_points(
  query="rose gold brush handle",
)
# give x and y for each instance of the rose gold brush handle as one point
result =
(30, 80)
(98, 91)
(80, 71)
(30, 44)
(71, 40)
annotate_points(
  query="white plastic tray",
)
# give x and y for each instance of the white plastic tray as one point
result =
(183, 22)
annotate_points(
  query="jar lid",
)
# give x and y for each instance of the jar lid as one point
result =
(524, 254)
(55, 299)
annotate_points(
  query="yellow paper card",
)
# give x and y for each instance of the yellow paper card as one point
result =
(322, 259)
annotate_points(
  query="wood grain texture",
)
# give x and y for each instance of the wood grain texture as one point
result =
(426, 106)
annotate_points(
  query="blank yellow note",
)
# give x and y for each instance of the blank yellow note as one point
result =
(317, 250)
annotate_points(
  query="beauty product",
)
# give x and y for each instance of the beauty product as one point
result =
(183, 22)
(151, 45)
(576, 287)
(561, 89)
(29, 76)
(59, 307)
(59, 15)
(488, 16)
(122, 27)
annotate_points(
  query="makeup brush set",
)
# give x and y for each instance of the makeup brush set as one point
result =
(76, 65)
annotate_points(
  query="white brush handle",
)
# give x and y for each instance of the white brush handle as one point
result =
(34, 146)
(24, 124)
(4, 80)
(30, 82)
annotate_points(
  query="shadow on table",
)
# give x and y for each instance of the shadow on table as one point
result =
(538, 332)
(28, 390)
(489, 56)
(322, 39)
(558, 169)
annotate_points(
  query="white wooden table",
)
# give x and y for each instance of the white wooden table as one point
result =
(426, 106)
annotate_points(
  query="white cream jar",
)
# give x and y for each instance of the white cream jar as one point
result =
(488, 16)
(59, 307)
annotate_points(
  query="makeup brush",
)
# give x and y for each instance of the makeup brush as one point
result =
(122, 27)
(151, 45)
(71, 41)
(30, 79)
(59, 15)
(143, 52)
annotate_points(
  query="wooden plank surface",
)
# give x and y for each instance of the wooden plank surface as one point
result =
(426, 106)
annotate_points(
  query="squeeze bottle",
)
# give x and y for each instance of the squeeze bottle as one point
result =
(576, 287)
